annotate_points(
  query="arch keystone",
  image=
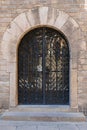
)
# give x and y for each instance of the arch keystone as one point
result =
(43, 13)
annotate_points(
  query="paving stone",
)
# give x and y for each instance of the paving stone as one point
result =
(7, 127)
(68, 127)
(48, 128)
(82, 126)
(27, 125)
(26, 128)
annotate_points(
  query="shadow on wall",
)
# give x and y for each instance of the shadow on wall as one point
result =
(83, 109)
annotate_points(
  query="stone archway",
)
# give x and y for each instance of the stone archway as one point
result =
(35, 17)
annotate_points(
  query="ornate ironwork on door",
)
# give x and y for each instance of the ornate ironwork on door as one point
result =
(43, 68)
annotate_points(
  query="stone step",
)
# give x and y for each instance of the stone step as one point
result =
(43, 108)
(44, 116)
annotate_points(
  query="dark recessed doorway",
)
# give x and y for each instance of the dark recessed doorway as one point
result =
(43, 68)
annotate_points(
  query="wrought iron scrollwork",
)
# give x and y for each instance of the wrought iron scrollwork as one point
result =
(43, 68)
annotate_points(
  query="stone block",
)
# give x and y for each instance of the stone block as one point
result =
(3, 67)
(48, 128)
(78, 2)
(4, 101)
(4, 78)
(43, 12)
(4, 89)
(44, 116)
(73, 63)
(6, 37)
(4, 49)
(68, 127)
(9, 51)
(80, 67)
(11, 67)
(6, 20)
(30, 18)
(13, 89)
(84, 67)
(52, 15)
(74, 35)
(7, 127)
(82, 73)
(61, 19)
(82, 61)
(3, 62)
(82, 54)
(82, 126)
(13, 32)
(22, 22)
(69, 27)
(82, 45)
(5, 2)
(2, 83)
(26, 128)
(73, 89)
(35, 13)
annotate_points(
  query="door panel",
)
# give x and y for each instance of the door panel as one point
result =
(43, 68)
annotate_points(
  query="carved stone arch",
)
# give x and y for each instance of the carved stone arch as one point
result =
(35, 17)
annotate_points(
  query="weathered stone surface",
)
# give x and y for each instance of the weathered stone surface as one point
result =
(4, 77)
(13, 89)
(43, 11)
(82, 67)
(68, 16)
(13, 31)
(11, 67)
(8, 128)
(82, 126)
(82, 61)
(22, 22)
(30, 18)
(82, 54)
(82, 45)
(73, 89)
(26, 128)
(48, 128)
(11, 46)
(52, 15)
(43, 116)
(66, 28)
(23, 125)
(68, 127)
(73, 63)
(61, 19)
(35, 13)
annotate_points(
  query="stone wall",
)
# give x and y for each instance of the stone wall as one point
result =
(77, 9)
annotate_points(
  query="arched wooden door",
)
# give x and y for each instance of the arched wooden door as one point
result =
(43, 68)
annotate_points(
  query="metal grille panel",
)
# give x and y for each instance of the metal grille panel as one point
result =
(43, 68)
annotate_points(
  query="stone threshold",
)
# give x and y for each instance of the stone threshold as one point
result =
(43, 108)
(44, 116)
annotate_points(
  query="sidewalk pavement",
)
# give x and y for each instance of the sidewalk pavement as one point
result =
(29, 125)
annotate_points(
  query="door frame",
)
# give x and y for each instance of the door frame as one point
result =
(25, 22)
